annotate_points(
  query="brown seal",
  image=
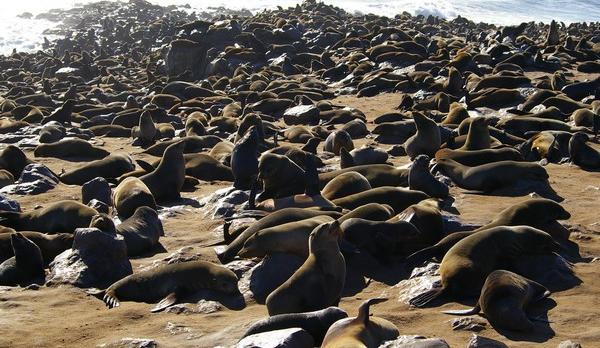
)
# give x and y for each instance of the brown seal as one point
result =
(345, 184)
(490, 176)
(109, 167)
(319, 282)
(581, 153)
(478, 137)
(50, 244)
(426, 141)
(362, 331)
(166, 284)
(13, 160)
(397, 197)
(68, 148)
(58, 217)
(466, 265)
(26, 267)
(131, 194)
(504, 298)
(166, 181)
(421, 179)
(141, 231)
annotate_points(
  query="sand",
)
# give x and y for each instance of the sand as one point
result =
(67, 317)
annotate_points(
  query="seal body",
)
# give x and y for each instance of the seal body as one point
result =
(50, 244)
(141, 231)
(319, 282)
(131, 194)
(26, 267)
(244, 162)
(169, 282)
(166, 181)
(62, 216)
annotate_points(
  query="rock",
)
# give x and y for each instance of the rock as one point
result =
(131, 343)
(268, 274)
(477, 341)
(8, 204)
(415, 342)
(201, 307)
(185, 55)
(468, 324)
(224, 202)
(97, 259)
(98, 189)
(302, 114)
(288, 338)
(66, 72)
(569, 344)
(35, 179)
(421, 280)
(100, 207)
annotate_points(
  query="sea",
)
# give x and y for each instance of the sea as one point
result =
(27, 34)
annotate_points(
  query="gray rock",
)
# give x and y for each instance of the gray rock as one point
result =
(302, 114)
(131, 343)
(288, 338)
(468, 324)
(100, 207)
(98, 189)
(477, 341)
(66, 72)
(421, 280)
(268, 274)
(35, 179)
(569, 344)
(415, 342)
(97, 259)
(224, 202)
(8, 204)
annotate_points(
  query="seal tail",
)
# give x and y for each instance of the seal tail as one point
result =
(426, 297)
(470, 311)
(363, 310)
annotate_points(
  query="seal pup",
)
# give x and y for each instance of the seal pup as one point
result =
(166, 181)
(167, 284)
(26, 267)
(421, 179)
(319, 282)
(345, 184)
(466, 265)
(315, 323)
(504, 298)
(361, 331)
(146, 131)
(338, 140)
(244, 162)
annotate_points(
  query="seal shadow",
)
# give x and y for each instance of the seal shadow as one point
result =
(542, 331)
(362, 265)
(157, 249)
(233, 301)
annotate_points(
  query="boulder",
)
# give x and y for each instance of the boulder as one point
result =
(287, 338)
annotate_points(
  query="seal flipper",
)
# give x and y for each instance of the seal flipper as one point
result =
(145, 166)
(363, 310)
(426, 297)
(111, 300)
(470, 311)
(418, 257)
(168, 301)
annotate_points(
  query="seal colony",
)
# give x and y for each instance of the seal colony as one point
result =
(297, 169)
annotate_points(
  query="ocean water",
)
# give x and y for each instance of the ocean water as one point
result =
(27, 34)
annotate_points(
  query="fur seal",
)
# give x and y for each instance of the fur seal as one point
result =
(319, 282)
(337, 140)
(478, 137)
(539, 213)
(377, 174)
(6, 178)
(581, 153)
(421, 179)
(69, 148)
(345, 184)
(397, 197)
(315, 323)
(166, 181)
(490, 176)
(244, 162)
(141, 231)
(26, 267)
(13, 160)
(146, 130)
(288, 238)
(361, 331)
(281, 177)
(168, 283)
(62, 216)
(426, 141)
(466, 265)
(131, 194)
(504, 298)
(380, 238)
(109, 167)
(479, 157)
(61, 114)
(50, 244)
